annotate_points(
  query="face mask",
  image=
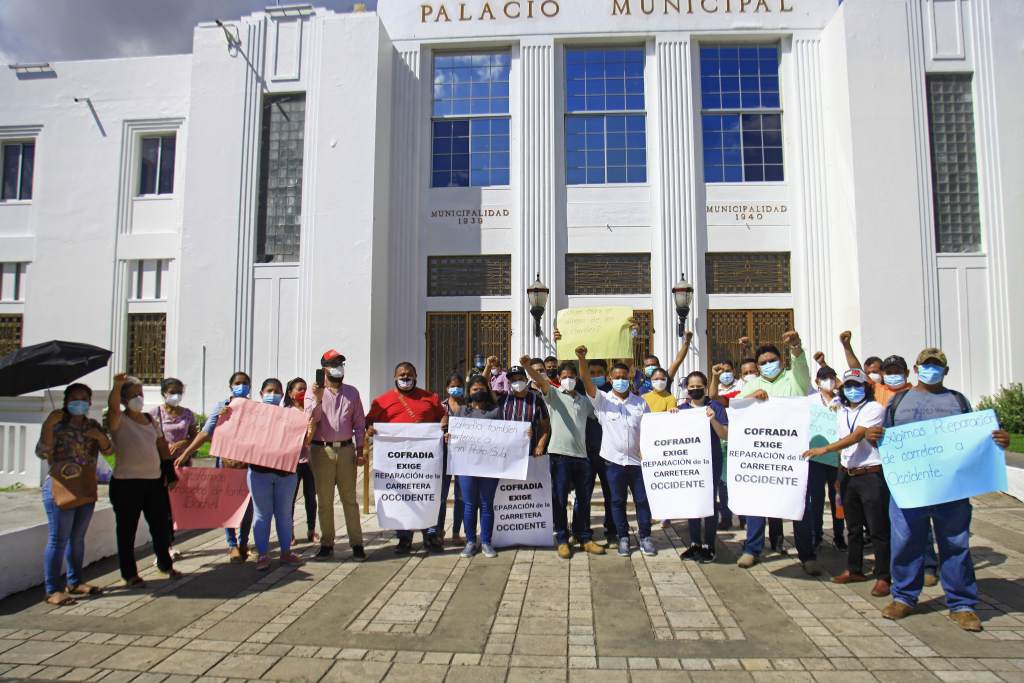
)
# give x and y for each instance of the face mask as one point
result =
(875, 377)
(649, 370)
(931, 374)
(519, 386)
(854, 394)
(726, 379)
(174, 400)
(659, 384)
(771, 370)
(405, 384)
(337, 372)
(456, 392)
(300, 398)
(78, 407)
(749, 378)
(599, 381)
(621, 386)
(136, 404)
(495, 372)
(480, 397)
(695, 394)
(569, 384)
(272, 399)
(827, 384)
(552, 374)
(895, 381)
(240, 390)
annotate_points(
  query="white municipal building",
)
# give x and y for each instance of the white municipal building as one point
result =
(390, 184)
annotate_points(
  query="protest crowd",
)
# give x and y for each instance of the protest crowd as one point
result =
(587, 416)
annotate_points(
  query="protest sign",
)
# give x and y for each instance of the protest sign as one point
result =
(823, 431)
(603, 330)
(498, 449)
(938, 461)
(209, 498)
(767, 471)
(260, 434)
(676, 459)
(408, 462)
(522, 509)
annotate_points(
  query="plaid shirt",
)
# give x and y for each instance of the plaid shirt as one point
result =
(530, 408)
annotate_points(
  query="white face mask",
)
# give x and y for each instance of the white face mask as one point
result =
(495, 372)
(750, 378)
(569, 384)
(337, 372)
(875, 377)
(136, 404)
(173, 400)
(659, 384)
(519, 386)
(827, 384)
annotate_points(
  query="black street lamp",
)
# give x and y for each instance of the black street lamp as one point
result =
(538, 296)
(682, 292)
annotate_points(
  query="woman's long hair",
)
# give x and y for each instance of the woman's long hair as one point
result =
(288, 402)
(480, 380)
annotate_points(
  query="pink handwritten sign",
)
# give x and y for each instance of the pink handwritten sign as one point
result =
(260, 434)
(209, 498)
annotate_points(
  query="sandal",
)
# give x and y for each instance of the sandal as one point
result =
(60, 600)
(135, 582)
(84, 589)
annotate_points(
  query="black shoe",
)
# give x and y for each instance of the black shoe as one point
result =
(358, 554)
(691, 553)
(434, 544)
(779, 546)
(743, 523)
(839, 544)
(404, 546)
(611, 540)
(326, 552)
(725, 525)
(706, 556)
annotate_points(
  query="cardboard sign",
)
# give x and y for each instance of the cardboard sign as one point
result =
(499, 449)
(209, 498)
(676, 461)
(604, 331)
(260, 434)
(408, 460)
(823, 431)
(522, 509)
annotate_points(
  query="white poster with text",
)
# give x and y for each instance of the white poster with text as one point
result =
(522, 509)
(408, 462)
(676, 461)
(498, 449)
(767, 471)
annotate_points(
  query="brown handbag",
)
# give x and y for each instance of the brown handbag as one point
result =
(72, 485)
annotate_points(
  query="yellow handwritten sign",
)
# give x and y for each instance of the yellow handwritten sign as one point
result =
(603, 330)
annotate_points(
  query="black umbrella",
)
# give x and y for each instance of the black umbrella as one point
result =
(46, 365)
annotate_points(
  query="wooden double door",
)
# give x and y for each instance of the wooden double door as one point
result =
(726, 327)
(453, 339)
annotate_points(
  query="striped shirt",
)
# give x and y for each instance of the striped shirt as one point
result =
(530, 408)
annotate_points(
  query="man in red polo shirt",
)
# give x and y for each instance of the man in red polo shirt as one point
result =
(407, 404)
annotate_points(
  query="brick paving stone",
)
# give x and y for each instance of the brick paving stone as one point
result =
(533, 675)
(968, 676)
(189, 662)
(97, 655)
(80, 673)
(303, 670)
(23, 671)
(345, 671)
(246, 666)
(476, 674)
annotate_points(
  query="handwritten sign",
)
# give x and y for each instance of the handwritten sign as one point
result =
(938, 461)
(408, 460)
(209, 498)
(522, 509)
(260, 434)
(767, 471)
(498, 449)
(823, 431)
(603, 330)
(676, 462)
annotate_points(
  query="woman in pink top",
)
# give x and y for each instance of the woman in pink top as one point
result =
(178, 425)
(295, 398)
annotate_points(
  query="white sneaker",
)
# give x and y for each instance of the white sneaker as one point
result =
(488, 550)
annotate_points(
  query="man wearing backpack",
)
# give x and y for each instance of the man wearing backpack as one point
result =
(930, 400)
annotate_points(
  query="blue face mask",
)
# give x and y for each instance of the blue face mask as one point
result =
(240, 390)
(894, 381)
(599, 381)
(727, 378)
(649, 370)
(456, 392)
(78, 408)
(621, 386)
(771, 370)
(272, 399)
(855, 393)
(930, 373)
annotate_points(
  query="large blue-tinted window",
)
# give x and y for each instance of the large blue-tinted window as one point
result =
(470, 120)
(606, 121)
(742, 113)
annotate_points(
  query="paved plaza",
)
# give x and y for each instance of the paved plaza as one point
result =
(525, 616)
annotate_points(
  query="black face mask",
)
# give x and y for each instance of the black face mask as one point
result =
(480, 397)
(552, 374)
(695, 394)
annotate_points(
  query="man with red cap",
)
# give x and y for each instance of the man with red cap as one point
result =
(336, 452)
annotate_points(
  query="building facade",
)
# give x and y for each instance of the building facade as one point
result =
(391, 183)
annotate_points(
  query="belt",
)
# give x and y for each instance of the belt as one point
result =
(858, 471)
(333, 444)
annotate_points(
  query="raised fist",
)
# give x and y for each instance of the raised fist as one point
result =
(525, 361)
(717, 370)
(819, 358)
(688, 337)
(744, 342)
(581, 352)
(845, 337)
(558, 335)
(791, 339)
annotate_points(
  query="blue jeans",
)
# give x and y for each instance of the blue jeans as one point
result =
(931, 559)
(242, 537)
(457, 511)
(620, 479)
(710, 524)
(598, 470)
(910, 531)
(478, 495)
(814, 509)
(272, 497)
(569, 473)
(65, 542)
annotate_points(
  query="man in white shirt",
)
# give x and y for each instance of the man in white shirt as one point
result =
(619, 413)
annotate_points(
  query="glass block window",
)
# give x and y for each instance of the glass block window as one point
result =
(747, 272)
(156, 168)
(954, 163)
(470, 146)
(606, 120)
(10, 332)
(741, 113)
(279, 224)
(147, 338)
(18, 165)
(599, 274)
(478, 275)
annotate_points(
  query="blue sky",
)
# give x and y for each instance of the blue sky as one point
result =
(55, 30)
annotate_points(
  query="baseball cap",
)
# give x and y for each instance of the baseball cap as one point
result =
(855, 375)
(825, 373)
(515, 370)
(931, 353)
(331, 357)
(895, 362)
